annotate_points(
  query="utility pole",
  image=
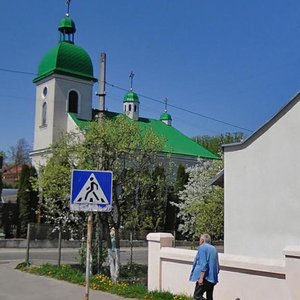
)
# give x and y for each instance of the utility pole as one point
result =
(101, 94)
(88, 256)
(102, 81)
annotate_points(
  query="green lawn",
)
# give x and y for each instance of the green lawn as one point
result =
(127, 287)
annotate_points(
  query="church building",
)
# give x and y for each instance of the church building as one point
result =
(64, 91)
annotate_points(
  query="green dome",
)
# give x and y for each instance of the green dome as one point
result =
(66, 59)
(165, 117)
(131, 96)
(67, 25)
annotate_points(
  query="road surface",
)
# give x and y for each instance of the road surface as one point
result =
(69, 256)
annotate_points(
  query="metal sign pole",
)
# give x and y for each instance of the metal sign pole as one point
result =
(88, 254)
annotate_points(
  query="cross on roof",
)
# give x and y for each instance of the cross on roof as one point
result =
(166, 104)
(131, 80)
(68, 3)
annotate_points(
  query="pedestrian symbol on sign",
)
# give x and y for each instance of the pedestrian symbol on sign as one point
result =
(91, 193)
(91, 190)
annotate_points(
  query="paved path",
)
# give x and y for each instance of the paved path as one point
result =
(16, 285)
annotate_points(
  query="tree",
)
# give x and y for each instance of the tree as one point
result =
(8, 219)
(113, 144)
(201, 206)
(214, 143)
(19, 154)
(1, 172)
(27, 199)
(172, 222)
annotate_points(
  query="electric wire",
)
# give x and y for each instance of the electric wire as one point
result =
(151, 99)
(183, 109)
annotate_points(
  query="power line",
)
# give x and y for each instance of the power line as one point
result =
(150, 98)
(16, 71)
(183, 109)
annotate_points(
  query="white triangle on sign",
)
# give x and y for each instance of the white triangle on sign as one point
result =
(91, 193)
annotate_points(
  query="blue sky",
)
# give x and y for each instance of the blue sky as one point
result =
(235, 61)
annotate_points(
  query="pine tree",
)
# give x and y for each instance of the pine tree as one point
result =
(172, 221)
(1, 166)
(27, 200)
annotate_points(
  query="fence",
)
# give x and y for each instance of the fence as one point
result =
(241, 277)
(47, 244)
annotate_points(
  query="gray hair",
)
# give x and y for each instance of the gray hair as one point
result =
(206, 238)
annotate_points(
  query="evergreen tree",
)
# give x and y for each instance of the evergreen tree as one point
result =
(27, 200)
(172, 221)
(8, 219)
(1, 172)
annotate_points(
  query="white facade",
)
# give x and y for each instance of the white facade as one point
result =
(51, 111)
(262, 188)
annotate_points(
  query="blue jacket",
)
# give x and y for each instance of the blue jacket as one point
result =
(206, 261)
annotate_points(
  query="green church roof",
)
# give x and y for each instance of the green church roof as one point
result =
(165, 117)
(176, 143)
(131, 96)
(66, 59)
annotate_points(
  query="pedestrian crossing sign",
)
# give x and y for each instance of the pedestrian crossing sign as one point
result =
(91, 190)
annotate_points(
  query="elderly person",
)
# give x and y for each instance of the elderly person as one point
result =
(205, 269)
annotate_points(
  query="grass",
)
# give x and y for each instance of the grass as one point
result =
(129, 287)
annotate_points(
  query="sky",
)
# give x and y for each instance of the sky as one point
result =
(234, 61)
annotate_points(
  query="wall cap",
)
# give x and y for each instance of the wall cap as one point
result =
(291, 251)
(158, 236)
(252, 263)
(178, 254)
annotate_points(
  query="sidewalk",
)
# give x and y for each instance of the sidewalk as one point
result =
(16, 285)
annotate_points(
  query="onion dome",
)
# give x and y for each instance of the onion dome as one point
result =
(165, 117)
(67, 26)
(131, 96)
(66, 58)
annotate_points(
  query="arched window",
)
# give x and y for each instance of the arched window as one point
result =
(44, 114)
(129, 107)
(135, 107)
(73, 102)
(125, 107)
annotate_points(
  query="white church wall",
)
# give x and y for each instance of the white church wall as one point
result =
(63, 86)
(262, 189)
(43, 134)
(57, 118)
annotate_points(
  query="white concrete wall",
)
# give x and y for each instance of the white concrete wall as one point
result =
(241, 277)
(262, 191)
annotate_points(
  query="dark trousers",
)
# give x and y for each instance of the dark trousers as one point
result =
(207, 287)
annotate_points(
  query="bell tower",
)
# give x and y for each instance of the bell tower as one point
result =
(131, 103)
(64, 86)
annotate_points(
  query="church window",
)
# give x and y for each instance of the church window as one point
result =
(44, 114)
(134, 107)
(129, 107)
(125, 107)
(45, 92)
(73, 102)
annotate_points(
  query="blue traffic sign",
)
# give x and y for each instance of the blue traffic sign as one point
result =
(91, 190)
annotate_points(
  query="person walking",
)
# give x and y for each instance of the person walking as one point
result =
(205, 269)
